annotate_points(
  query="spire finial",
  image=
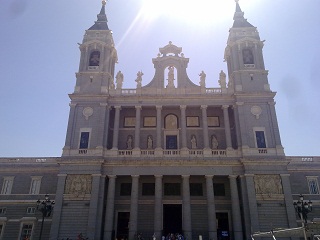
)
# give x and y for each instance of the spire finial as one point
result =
(236, 1)
(104, 2)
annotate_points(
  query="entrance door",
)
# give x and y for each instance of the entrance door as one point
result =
(171, 142)
(223, 226)
(172, 218)
(123, 225)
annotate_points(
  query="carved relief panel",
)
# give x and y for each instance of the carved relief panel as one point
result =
(78, 185)
(268, 184)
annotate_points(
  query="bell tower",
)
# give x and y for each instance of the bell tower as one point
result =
(248, 82)
(89, 100)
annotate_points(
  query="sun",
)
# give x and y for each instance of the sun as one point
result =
(188, 11)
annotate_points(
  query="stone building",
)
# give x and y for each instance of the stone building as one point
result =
(170, 156)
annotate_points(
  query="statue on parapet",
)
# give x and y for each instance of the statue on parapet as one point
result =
(222, 80)
(171, 77)
(119, 80)
(139, 79)
(202, 79)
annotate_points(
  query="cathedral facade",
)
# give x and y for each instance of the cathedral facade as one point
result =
(164, 158)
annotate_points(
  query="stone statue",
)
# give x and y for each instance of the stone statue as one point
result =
(150, 142)
(139, 79)
(193, 142)
(171, 77)
(119, 79)
(214, 142)
(202, 79)
(222, 80)
(129, 142)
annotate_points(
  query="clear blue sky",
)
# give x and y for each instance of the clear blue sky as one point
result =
(40, 55)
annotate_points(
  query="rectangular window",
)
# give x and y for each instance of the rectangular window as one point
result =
(148, 189)
(219, 189)
(172, 189)
(313, 185)
(260, 139)
(196, 189)
(7, 185)
(35, 185)
(3, 211)
(31, 210)
(84, 140)
(125, 189)
(26, 231)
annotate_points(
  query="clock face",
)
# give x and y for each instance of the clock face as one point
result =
(94, 58)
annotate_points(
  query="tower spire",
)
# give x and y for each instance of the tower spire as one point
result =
(102, 21)
(239, 20)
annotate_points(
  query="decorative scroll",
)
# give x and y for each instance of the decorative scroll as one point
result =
(268, 184)
(78, 185)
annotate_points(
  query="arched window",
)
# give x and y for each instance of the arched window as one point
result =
(171, 122)
(94, 59)
(247, 56)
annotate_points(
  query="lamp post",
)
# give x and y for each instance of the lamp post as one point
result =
(45, 207)
(303, 208)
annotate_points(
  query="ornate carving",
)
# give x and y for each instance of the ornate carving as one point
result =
(268, 184)
(78, 185)
(87, 112)
(256, 111)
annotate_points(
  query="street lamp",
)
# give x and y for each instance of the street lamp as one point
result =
(45, 207)
(303, 208)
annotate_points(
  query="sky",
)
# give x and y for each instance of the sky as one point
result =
(39, 56)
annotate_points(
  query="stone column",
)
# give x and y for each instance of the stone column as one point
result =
(55, 225)
(212, 220)
(106, 127)
(158, 206)
(183, 127)
(227, 126)
(245, 207)
(93, 209)
(101, 127)
(137, 128)
(71, 121)
(275, 129)
(236, 215)
(159, 142)
(101, 200)
(133, 224)
(286, 187)
(252, 202)
(116, 128)
(186, 204)
(205, 126)
(108, 225)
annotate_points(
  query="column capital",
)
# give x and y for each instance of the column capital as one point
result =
(233, 176)
(209, 176)
(183, 107)
(72, 104)
(239, 103)
(135, 176)
(158, 176)
(158, 107)
(272, 103)
(112, 176)
(225, 106)
(103, 104)
(138, 107)
(185, 176)
(204, 107)
(117, 107)
(62, 175)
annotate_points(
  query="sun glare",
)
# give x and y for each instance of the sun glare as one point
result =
(191, 11)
